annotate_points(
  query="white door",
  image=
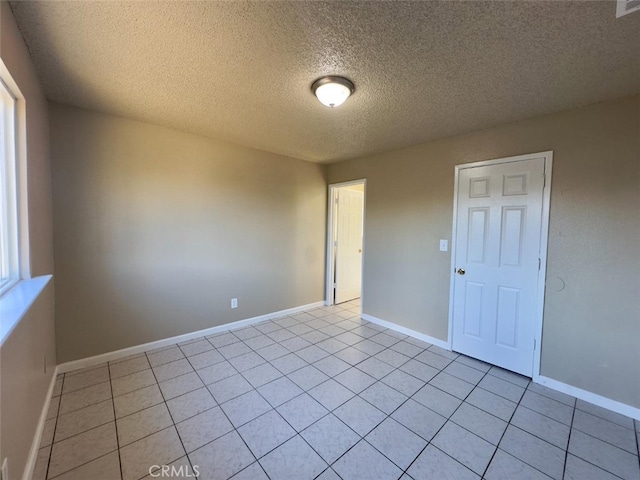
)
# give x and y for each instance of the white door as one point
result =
(497, 262)
(348, 273)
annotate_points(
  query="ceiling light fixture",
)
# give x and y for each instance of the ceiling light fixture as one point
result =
(333, 91)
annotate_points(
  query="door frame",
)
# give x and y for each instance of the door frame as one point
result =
(544, 240)
(331, 230)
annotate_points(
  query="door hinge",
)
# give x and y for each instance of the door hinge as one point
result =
(335, 243)
(337, 200)
(534, 344)
(539, 264)
(335, 285)
(544, 180)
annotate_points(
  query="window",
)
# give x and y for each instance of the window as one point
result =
(12, 184)
(627, 6)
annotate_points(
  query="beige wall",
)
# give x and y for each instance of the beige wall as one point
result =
(591, 318)
(24, 382)
(156, 230)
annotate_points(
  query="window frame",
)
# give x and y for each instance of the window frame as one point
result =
(14, 233)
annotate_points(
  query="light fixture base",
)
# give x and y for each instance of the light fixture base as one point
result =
(332, 90)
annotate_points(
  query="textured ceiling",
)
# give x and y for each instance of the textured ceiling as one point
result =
(241, 71)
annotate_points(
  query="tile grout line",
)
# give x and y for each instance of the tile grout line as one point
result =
(290, 352)
(448, 419)
(87, 405)
(593, 464)
(566, 453)
(235, 429)
(164, 401)
(84, 431)
(351, 366)
(571, 426)
(55, 426)
(252, 463)
(115, 421)
(603, 441)
(540, 438)
(355, 365)
(387, 416)
(518, 404)
(113, 404)
(81, 465)
(297, 434)
(551, 398)
(632, 428)
(80, 433)
(537, 436)
(219, 405)
(477, 385)
(505, 431)
(603, 418)
(403, 470)
(319, 419)
(272, 408)
(600, 467)
(543, 414)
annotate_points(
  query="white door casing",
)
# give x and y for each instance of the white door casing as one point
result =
(348, 264)
(500, 235)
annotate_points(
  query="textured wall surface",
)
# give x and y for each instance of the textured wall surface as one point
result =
(24, 382)
(241, 71)
(156, 230)
(591, 318)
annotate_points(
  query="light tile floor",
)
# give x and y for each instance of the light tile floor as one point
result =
(323, 394)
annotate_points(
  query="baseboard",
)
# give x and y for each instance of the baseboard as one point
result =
(406, 331)
(599, 400)
(110, 356)
(37, 438)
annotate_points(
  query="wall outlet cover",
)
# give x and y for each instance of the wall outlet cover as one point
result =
(234, 303)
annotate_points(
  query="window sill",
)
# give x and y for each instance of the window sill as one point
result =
(17, 301)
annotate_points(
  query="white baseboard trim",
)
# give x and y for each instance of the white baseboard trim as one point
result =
(599, 400)
(407, 331)
(110, 356)
(37, 438)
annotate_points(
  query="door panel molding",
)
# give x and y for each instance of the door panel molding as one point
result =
(510, 187)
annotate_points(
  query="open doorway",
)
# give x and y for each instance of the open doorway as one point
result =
(345, 241)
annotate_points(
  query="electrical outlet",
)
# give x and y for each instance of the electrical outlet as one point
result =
(234, 303)
(5, 469)
(444, 245)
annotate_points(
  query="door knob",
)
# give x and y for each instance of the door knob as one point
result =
(461, 271)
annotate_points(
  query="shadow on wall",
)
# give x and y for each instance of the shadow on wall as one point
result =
(162, 229)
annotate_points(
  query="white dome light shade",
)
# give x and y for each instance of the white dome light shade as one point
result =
(332, 91)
